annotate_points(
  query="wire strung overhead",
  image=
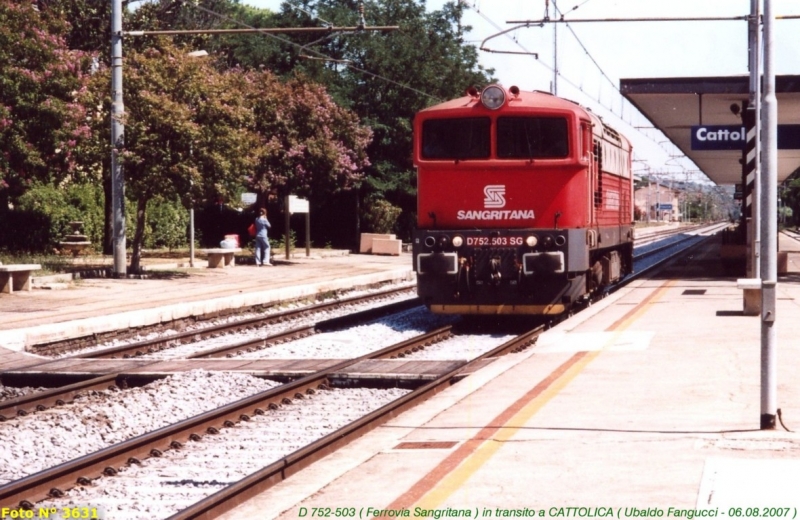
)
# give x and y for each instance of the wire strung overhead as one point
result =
(559, 18)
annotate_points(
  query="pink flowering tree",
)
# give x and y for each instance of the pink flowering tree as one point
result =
(311, 146)
(42, 122)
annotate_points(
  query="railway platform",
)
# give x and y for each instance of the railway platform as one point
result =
(96, 305)
(645, 404)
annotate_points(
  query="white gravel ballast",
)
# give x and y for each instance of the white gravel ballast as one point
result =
(356, 341)
(44, 439)
(160, 487)
(8, 393)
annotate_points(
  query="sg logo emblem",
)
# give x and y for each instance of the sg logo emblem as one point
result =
(495, 196)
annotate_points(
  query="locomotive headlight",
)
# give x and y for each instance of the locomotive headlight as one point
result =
(531, 241)
(493, 97)
(458, 241)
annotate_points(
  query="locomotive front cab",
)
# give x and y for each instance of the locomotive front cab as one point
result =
(506, 204)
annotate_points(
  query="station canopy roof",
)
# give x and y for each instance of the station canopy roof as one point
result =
(674, 105)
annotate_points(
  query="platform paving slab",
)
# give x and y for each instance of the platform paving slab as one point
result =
(658, 388)
(95, 306)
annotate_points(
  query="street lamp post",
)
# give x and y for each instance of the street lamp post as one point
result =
(193, 54)
(191, 222)
(769, 227)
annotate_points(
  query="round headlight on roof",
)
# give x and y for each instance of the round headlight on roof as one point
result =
(493, 97)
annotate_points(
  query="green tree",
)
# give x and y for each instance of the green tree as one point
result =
(790, 194)
(386, 77)
(188, 132)
(87, 22)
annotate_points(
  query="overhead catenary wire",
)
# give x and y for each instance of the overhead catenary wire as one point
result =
(568, 80)
(613, 85)
(640, 19)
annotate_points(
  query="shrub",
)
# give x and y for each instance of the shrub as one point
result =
(167, 225)
(380, 215)
(43, 213)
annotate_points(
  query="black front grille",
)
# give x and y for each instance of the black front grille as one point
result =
(437, 264)
(506, 261)
(543, 263)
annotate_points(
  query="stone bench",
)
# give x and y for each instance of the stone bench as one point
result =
(16, 277)
(222, 258)
(752, 295)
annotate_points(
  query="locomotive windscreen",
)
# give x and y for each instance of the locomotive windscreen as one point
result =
(464, 138)
(532, 137)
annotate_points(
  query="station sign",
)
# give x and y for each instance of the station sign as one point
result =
(662, 206)
(718, 137)
(249, 198)
(734, 137)
(297, 205)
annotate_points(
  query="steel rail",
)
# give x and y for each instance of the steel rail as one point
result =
(660, 248)
(149, 346)
(654, 237)
(672, 244)
(226, 499)
(21, 406)
(251, 345)
(52, 482)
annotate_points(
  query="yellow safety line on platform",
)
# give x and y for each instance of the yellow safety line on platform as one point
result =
(447, 477)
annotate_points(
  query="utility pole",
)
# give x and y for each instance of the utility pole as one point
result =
(555, 58)
(769, 227)
(658, 199)
(751, 117)
(117, 142)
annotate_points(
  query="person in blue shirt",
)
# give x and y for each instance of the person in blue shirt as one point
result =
(262, 242)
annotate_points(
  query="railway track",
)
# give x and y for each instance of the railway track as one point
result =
(646, 259)
(40, 401)
(650, 256)
(656, 236)
(225, 327)
(54, 481)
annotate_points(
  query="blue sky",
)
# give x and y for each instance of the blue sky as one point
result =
(622, 50)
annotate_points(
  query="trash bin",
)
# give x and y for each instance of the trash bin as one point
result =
(231, 240)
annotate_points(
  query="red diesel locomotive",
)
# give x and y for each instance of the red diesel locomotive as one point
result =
(525, 204)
